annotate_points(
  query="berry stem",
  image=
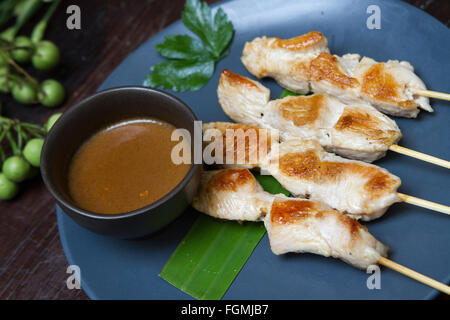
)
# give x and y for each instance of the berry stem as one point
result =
(22, 71)
(12, 143)
(39, 29)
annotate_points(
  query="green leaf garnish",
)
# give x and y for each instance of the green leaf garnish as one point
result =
(211, 255)
(180, 75)
(271, 185)
(192, 61)
(287, 93)
(215, 32)
(183, 48)
(214, 251)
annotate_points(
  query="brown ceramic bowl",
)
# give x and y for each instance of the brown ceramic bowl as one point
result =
(95, 113)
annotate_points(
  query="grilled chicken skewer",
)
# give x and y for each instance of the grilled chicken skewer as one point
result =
(357, 189)
(355, 131)
(295, 225)
(304, 64)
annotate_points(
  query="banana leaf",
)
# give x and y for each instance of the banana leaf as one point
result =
(214, 251)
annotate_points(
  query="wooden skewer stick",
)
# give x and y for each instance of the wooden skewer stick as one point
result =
(424, 203)
(414, 275)
(420, 155)
(431, 94)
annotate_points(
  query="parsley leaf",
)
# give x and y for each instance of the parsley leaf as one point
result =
(180, 75)
(191, 61)
(216, 34)
(183, 47)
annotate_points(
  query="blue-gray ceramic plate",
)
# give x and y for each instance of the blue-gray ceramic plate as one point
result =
(122, 269)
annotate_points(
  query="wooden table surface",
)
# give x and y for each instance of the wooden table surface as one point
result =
(32, 262)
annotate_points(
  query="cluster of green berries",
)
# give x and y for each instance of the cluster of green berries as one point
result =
(24, 164)
(44, 55)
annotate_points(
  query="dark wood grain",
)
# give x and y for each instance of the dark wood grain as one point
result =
(32, 262)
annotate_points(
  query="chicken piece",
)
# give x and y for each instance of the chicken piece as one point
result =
(244, 98)
(232, 194)
(237, 145)
(328, 75)
(356, 131)
(357, 189)
(293, 225)
(309, 226)
(387, 86)
(360, 190)
(273, 57)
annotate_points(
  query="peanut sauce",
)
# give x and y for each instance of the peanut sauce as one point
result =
(125, 167)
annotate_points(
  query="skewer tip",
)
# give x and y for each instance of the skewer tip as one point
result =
(415, 275)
